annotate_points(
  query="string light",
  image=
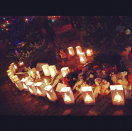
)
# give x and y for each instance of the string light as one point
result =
(4, 18)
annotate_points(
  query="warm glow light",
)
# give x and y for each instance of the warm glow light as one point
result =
(26, 19)
(66, 98)
(15, 66)
(89, 88)
(21, 63)
(116, 87)
(89, 52)
(70, 52)
(4, 25)
(65, 89)
(78, 50)
(117, 97)
(88, 97)
(39, 92)
(25, 86)
(52, 70)
(65, 71)
(6, 29)
(38, 74)
(81, 59)
(48, 95)
(30, 90)
(48, 87)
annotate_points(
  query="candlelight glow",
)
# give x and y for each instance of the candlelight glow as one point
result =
(117, 97)
(48, 96)
(116, 87)
(89, 88)
(30, 90)
(89, 52)
(21, 63)
(70, 52)
(25, 86)
(81, 59)
(26, 19)
(39, 92)
(88, 97)
(15, 66)
(66, 98)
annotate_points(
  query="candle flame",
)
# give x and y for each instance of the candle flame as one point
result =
(88, 98)
(117, 98)
(39, 92)
(67, 98)
(88, 51)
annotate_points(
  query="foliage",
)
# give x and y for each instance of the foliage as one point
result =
(99, 33)
(33, 41)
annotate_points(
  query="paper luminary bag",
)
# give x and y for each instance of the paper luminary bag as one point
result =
(67, 95)
(117, 94)
(83, 58)
(40, 89)
(78, 50)
(32, 88)
(18, 83)
(88, 96)
(128, 92)
(53, 70)
(50, 93)
(65, 71)
(60, 86)
(46, 70)
(24, 81)
(71, 51)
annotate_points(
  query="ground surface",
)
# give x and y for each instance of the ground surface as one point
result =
(15, 102)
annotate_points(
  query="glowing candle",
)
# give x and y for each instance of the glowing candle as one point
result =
(71, 51)
(52, 70)
(67, 95)
(46, 70)
(78, 50)
(50, 93)
(38, 74)
(83, 59)
(65, 71)
(89, 52)
(87, 94)
(117, 94)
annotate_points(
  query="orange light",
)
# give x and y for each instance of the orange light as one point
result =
(117, 98)
(6, 29)
(81, 59)
(39, 92)
(15, 66)
(88, 97)
(4, 25)
(67, 98)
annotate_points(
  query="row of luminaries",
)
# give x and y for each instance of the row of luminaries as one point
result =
(44, 89)
(81, 54)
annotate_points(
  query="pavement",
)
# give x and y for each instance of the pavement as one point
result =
(22, 103)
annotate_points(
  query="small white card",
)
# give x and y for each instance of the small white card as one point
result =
(60, 86)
